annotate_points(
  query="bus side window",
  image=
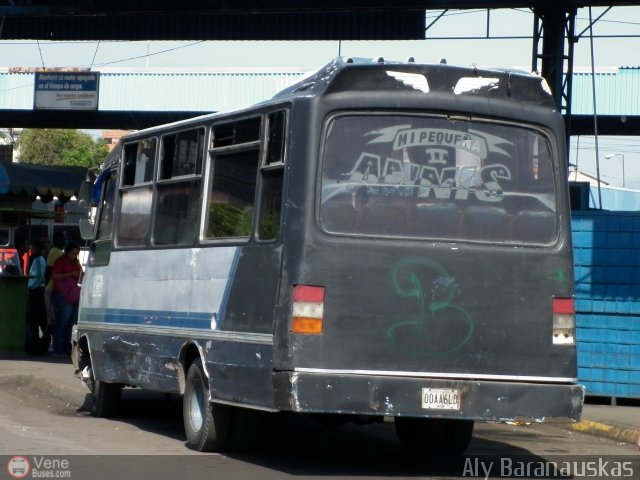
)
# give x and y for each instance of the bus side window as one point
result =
(139, 161)
(178, 206)
(177, 212)
(182, 154)
(270, 204)
(134, 219)
(272, 177)
(231, 200)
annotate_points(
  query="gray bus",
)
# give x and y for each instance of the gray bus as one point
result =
(379, 240)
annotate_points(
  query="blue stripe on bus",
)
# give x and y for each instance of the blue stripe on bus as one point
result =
(157, 318)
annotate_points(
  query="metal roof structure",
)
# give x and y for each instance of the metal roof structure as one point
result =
(206, 90)
(195, 92)
(553, 37)
(240, 19)
(20, 179)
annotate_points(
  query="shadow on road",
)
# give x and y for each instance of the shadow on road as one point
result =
(299, 445)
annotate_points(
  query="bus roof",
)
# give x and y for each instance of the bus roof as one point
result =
(347, 74)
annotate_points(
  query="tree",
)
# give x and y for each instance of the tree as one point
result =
(60, 147)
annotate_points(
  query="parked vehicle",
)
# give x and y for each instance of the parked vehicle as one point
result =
(380, 239)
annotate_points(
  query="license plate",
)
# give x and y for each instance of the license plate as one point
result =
(441, 398)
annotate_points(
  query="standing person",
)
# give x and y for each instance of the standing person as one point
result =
(55, 252)
(36, 310)
(66, 295)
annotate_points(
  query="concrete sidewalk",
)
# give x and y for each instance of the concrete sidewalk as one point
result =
(54, 377)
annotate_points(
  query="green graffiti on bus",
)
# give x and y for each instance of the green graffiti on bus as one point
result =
(439, 326)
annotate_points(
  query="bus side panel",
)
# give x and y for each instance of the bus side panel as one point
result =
(253, 290)
(452, 312)
(241, 371)
(140, 359)
(138, 320)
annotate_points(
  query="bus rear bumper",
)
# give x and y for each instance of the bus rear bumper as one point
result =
(484, 400)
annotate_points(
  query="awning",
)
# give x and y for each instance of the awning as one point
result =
(47, 181)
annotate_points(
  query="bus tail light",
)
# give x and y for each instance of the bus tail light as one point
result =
(564, 321)
(308, 309)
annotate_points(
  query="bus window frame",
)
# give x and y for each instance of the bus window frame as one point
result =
(136, 186)
(262, 145)
(270, 168)
(255, 146)
(159, 183)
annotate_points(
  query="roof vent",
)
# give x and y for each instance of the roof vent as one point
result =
(348, 60)
(443, 61)
(379, 60)
(411, 60)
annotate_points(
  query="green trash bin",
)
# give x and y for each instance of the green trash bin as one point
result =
(13, 312)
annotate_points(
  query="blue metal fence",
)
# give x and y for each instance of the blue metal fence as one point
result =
(607, 275)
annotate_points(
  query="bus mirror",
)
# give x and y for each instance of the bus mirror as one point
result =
(84, 195)
(86, 229)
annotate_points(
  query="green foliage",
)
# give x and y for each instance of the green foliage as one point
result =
(269, 227)
(226, 220)
(60, 147)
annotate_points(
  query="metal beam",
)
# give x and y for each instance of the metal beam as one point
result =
(90, 119)
(607, 125)
(170, 7)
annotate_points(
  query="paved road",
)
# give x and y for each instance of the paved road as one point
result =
(148, 442)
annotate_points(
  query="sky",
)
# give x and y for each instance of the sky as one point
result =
(459, 37)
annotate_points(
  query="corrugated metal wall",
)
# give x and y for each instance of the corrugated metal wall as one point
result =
(617, 91)
(198, 92)
(607, 275)
(204, 92)
(16, 91)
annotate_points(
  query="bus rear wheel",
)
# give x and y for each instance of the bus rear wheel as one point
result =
(434, 436)
(206, 424)
(106, 399)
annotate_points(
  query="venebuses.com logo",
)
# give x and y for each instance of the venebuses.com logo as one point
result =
(38, 467)
(18, 467)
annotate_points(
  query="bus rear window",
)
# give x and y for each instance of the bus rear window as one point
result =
(433, 177)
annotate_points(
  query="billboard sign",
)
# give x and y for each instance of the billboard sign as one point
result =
(60, 90)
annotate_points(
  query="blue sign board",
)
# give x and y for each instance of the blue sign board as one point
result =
(66, 90)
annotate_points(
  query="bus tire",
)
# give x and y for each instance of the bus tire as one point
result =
(434, 436)
(106, 399)
(206, 424)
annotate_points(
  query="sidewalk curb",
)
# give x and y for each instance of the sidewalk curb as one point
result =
(69, 395)
(617, 433)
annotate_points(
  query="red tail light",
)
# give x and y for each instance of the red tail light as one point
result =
(308, 309)
(564, 321)
(563, 306)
